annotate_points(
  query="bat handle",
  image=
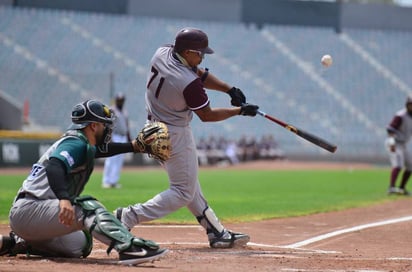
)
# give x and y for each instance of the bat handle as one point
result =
(258, 111)
(261, 113)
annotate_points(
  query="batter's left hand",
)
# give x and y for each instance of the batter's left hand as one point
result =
(238, 98)
(66, 214)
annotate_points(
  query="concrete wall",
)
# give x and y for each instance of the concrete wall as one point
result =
(106, 6)
(337, 15)
(11, 114)
(211, 10)
(290, 12)
(376, 16)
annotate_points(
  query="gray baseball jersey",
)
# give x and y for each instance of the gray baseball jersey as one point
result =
(34, 217)
(174, 91)
(401, 126)
(66, 150)
(121, 122)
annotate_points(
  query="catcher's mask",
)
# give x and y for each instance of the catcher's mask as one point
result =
(93, 111)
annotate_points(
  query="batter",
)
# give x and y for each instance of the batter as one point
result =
(175, 89)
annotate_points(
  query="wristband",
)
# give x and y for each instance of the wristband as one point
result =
(205, 74)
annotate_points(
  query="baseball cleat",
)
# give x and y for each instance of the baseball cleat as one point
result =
(111, 186)
(13, 245)
(394, 191)
(229, 239)
(6, 245)
(141, 255)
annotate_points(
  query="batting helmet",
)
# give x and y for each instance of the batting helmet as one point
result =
(408, 99)
(194, 39)
(120, 96)
(90, 111)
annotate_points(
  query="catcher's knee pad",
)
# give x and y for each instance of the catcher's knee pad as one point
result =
(210, 221)
(106, 224)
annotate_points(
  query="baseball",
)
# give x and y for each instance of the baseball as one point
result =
(326, 60)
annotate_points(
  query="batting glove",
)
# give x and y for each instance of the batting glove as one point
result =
(248, 109)
(238, 98)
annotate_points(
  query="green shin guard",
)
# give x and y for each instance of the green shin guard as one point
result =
(106, 224)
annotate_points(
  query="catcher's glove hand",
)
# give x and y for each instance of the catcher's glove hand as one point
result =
(154, 139)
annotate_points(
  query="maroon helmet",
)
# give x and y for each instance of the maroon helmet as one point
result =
(194, 39)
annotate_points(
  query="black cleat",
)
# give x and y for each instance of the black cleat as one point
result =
(141, 251)
(7, 243)
(229, 239)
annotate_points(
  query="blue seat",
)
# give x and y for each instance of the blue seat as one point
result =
(57, 58)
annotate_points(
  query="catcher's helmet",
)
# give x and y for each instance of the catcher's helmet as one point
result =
(90, 111)
(192, 38)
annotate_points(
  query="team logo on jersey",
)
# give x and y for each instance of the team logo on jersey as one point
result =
(68, 157)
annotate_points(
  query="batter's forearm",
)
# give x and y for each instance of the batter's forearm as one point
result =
(213, 83)
(219, 114)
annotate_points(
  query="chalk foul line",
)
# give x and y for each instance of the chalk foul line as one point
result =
(343, 231)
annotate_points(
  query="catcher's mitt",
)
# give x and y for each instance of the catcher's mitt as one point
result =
(154, 140)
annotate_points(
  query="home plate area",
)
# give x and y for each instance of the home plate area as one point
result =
(374, 238)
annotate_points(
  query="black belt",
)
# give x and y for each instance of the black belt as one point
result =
(21, 196)
(151, 118)
(25, 195)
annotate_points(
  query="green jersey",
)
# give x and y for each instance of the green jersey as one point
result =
(74, 150)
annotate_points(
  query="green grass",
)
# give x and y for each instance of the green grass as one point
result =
(240, 195)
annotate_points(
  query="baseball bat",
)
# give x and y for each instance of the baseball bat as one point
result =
(304, 134)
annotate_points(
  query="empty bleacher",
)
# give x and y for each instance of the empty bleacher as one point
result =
(55, 59)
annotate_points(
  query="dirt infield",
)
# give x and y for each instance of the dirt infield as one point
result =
(375, 238)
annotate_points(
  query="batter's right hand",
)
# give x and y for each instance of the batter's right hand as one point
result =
(66, 214)
(248, 109)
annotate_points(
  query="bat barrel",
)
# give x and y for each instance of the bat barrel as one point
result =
(304, 134)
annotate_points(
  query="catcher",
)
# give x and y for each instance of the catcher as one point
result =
(49, 217)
